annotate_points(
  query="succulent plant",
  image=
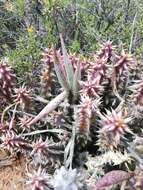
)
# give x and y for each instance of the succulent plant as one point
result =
(121, 72)
(6, 79)
(86, 121)
(13, 142)
(68, 78)
(24, 123)
(84, 62)
(23, 97)
(106, 51)
(46, 80)
(44, 152)
(97, 70)
(113, 127)
(91, 88)
(39, 180)
(75, 60)
(47, 74)
(48, 57)
(83, 117)
(124, 63)
(40, 147)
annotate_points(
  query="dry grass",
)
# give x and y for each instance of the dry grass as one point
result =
(11, 176)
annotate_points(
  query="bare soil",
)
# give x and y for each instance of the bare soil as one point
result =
(12, 172)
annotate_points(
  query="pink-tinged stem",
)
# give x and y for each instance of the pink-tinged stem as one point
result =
(112, 178)
(53, 104)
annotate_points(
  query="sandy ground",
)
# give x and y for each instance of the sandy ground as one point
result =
(11, 176)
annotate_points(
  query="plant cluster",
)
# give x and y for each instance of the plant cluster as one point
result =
(28, 26)
(88, 120)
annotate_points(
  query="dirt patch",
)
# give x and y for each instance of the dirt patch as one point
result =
(12, 172)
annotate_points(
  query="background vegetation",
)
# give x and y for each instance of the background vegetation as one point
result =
(28, 26)
(70, 72)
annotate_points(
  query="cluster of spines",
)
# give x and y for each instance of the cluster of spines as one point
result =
(47, 71)
(106, 50)
(82, 119)
(39, 180)
(91, 88)
(113, 124)
(48, 76)
(44, 152)
(97, 71)
(23, 97)
(24, 123)
(13, 142)
(124, 63)
(84, 62)
(63, 179)
(6, 79)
